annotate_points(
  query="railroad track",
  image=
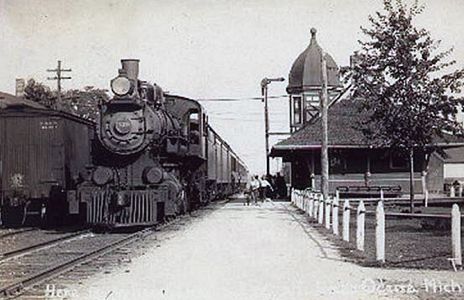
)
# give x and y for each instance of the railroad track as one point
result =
(31, 268)
(41, 245)
(27, 276)
(13, 232)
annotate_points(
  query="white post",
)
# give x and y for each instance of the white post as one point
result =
(311, 205)
(335, 215)
(292, 195)
(426, 198)
(307, 204)
(456, 235)
(327, 212)
(380, 233)
(381, 194)
(460, 190)
(360, 217)
(346, 220)
(320, 214)
(452, 191)
(316, 206)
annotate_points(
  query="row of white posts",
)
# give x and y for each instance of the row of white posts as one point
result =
(327, 212)
(459, 191)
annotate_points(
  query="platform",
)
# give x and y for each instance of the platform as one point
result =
(264, 251)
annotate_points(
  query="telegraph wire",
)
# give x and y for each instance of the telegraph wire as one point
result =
(239, 99)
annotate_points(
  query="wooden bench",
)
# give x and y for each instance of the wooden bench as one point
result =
(369, 191)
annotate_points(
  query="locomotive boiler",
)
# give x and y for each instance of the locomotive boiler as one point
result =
(139, 149)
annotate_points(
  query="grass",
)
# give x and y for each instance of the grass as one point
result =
(407, 243)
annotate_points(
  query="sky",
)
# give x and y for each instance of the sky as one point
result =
(199, 49)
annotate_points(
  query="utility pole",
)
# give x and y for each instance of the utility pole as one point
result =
(58, 79)
(264, 83)
(325, 139)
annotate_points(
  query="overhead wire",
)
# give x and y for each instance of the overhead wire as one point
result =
(239, 99)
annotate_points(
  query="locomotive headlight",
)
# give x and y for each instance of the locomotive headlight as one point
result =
(121, 86)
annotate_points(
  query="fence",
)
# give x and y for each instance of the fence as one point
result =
(326, 212)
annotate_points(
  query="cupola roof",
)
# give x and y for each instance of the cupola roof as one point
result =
(306, 70)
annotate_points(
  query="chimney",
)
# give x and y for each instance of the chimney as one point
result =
(20, 86)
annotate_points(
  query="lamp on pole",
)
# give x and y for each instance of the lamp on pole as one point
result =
(264, 83)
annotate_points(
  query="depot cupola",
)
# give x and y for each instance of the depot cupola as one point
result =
(305, 83)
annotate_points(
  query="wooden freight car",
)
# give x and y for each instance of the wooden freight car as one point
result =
(43, 154)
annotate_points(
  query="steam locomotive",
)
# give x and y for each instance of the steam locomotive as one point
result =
(150, 155)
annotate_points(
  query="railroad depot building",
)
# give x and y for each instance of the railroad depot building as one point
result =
(353, 161)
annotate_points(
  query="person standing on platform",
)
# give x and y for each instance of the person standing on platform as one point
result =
(254, 188)
(281, 186)
(266, 188)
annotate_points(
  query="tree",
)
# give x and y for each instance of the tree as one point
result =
(40, 93)
(84, 103)
(400, 78)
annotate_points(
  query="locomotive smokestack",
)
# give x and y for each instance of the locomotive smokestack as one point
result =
(131, 66)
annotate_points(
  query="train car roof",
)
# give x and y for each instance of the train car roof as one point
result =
(8, 101)
(167, 95)
(12, 105)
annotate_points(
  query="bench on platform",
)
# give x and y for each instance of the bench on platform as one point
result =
(389, 191)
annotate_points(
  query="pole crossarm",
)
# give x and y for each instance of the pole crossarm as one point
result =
(58, 79)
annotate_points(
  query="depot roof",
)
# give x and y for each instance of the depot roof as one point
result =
(344, 131)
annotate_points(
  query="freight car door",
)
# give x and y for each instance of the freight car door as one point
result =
(49, 156)
(57, 150)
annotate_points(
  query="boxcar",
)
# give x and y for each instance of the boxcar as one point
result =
(43, 153)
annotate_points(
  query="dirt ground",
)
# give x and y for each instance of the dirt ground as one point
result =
(268, 251)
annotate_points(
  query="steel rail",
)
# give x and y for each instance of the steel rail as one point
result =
(17, 232)
(16, 288)
(26, 250)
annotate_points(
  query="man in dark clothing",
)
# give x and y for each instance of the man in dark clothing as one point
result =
(281, 186)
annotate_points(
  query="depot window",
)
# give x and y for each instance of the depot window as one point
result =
(398, 160)
(297, 110)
